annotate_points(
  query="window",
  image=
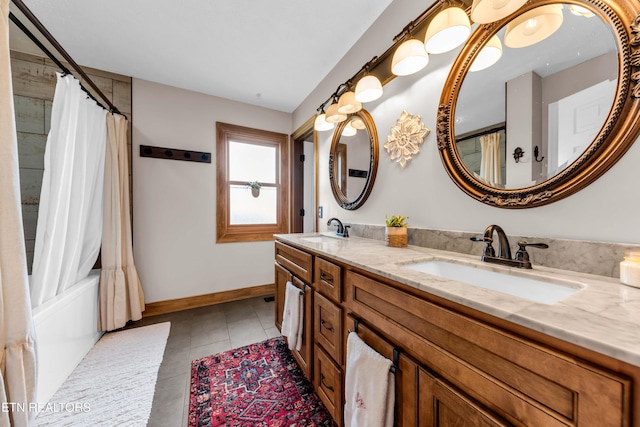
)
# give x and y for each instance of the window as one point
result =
(246, 156)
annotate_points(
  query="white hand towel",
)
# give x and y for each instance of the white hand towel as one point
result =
(292, 316)
(369, 386)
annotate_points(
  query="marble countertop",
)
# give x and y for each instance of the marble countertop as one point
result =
(603, 316)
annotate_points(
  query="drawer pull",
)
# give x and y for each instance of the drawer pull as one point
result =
(326, 277)
(324, 383)
(324, 325)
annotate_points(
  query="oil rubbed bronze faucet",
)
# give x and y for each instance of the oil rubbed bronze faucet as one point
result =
(521, 259)
(342, 230)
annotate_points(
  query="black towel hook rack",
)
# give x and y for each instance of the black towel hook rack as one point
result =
(396, 350)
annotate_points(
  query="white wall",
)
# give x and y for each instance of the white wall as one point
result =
(604, 211)
(174, 205)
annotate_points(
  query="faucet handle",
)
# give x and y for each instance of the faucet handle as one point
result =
(488, 250)
(523, 256)
(346, 230)
(522, 244)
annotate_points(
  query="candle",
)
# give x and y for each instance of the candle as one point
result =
(630, 268)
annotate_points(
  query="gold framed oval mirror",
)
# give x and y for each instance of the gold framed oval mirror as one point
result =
(551, 115)
(353, 160)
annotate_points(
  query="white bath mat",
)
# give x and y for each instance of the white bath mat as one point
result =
(114, 384)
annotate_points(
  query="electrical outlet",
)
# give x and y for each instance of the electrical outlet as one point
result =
(319, 211)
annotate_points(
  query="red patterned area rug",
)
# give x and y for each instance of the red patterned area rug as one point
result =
(257, 385)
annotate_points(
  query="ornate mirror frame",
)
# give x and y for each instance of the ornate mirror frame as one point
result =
(334, 174)
(619, 132)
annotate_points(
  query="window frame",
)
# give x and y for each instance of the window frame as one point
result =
(226, 232)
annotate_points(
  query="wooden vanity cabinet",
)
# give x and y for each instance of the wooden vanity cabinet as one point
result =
(295, 266)
(456, 366)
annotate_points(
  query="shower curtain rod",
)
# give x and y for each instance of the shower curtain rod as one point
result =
(43, 30)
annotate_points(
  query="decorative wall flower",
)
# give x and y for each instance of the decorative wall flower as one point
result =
(405, 139)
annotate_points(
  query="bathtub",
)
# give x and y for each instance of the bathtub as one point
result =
(66, 329)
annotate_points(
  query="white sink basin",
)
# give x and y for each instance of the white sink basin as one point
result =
(534, 289)
(320, 239)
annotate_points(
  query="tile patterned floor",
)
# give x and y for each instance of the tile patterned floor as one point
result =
(197, 333)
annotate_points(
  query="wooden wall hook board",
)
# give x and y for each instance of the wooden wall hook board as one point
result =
(174, 154)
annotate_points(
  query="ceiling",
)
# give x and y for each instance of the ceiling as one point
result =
(266, 53)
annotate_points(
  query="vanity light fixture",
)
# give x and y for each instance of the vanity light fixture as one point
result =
(581, 11)
(333, 115)
(486, 11)
(348, 104)
(409, 58)
(533, 26)
(368, 88)
(488, 55)
(448, 30)
(349, 130)
(358, 123)
(321, 124)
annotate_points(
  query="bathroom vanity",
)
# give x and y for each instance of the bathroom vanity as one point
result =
(466, 354)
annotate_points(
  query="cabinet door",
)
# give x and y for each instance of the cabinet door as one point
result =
(282, 276)
(406, 375)
(443, 406)
(304, 356)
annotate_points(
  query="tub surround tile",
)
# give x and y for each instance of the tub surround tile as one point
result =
(604, 316)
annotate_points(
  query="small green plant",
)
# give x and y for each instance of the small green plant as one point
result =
(396, 221)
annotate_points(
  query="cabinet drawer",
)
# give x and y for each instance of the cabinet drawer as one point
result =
(328, 326)
(328, 279)
(328, 383)
(296, 261)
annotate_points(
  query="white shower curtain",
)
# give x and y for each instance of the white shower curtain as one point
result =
(69, 228)
(17, 333)
(121, 297)
(490, 169)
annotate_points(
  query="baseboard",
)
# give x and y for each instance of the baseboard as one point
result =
(171, 306)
